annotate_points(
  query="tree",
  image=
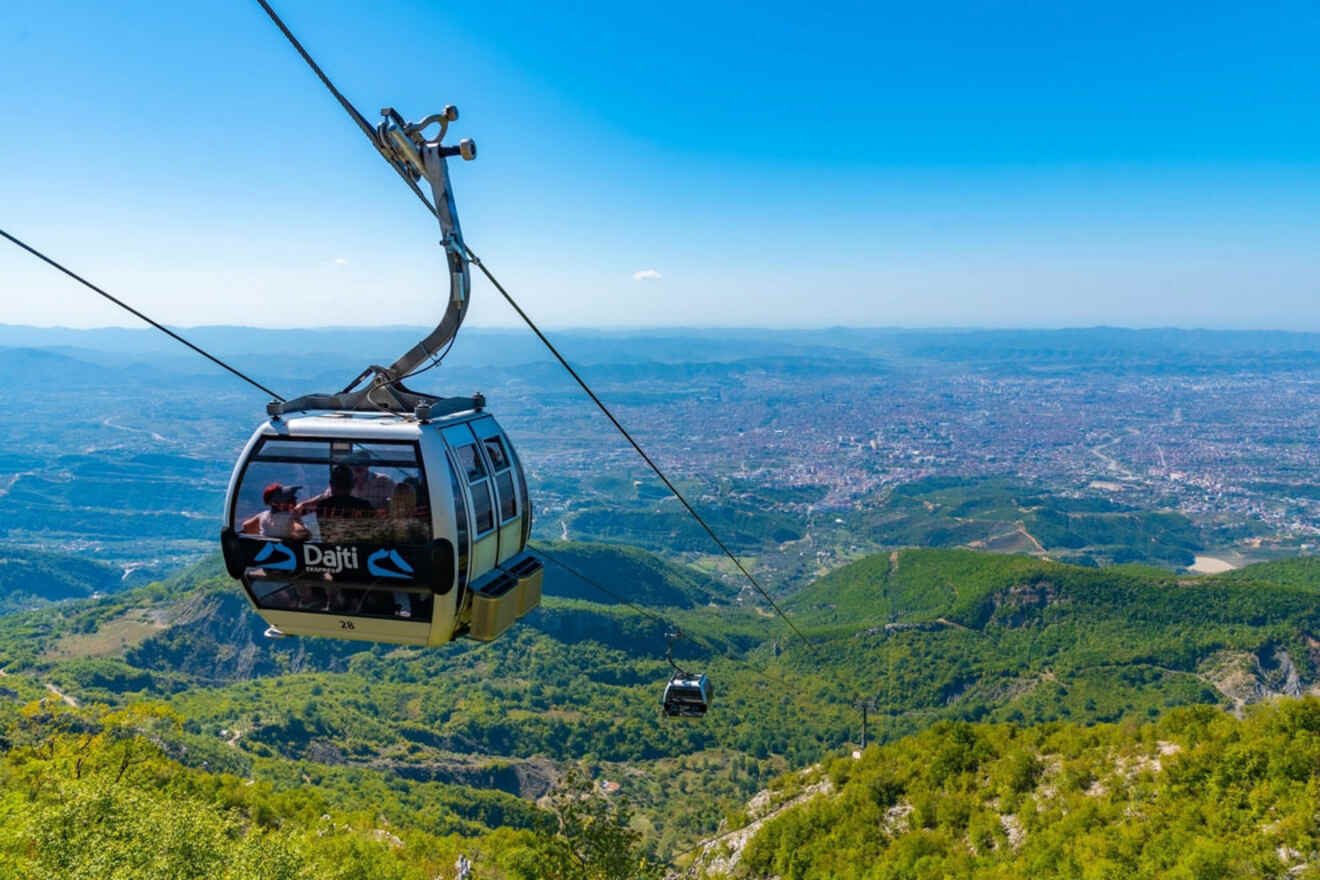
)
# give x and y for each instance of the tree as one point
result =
(594, 839)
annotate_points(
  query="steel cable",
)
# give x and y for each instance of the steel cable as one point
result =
(123, 305)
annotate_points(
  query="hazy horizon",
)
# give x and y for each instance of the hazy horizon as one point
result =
(422, 327)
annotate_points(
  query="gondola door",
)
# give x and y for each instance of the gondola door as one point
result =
(475, 477)
(503, 480)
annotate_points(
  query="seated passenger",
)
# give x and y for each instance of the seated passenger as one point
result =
(345, 600)
(309, 597)
(495, 450)
(337, 509)
(380, 603)
(368, 484)
(280, 519)
(405, 526)
(273, 594)
(297, 596)
(420, 607)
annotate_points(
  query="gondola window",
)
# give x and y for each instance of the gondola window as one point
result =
(334, 492)
(482, 506)
(499, 461)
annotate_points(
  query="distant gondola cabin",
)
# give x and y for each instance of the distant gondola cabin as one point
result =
(382, 527)
(687, 696)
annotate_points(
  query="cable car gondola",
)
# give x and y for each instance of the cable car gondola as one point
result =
(382, 513)
(686, 695)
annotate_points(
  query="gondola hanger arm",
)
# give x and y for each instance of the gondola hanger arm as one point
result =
(414, 156)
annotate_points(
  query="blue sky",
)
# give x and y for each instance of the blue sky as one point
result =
(964, 164)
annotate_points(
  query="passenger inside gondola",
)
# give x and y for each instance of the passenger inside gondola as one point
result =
(342, 516)
(405, 526)
(290, 596)
(374, 487)
(280, 519)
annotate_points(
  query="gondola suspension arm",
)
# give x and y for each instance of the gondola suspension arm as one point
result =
(426, 405)
(409, 149)
(414, 156)
(670, 637)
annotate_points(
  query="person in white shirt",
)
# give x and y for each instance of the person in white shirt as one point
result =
(280, 519)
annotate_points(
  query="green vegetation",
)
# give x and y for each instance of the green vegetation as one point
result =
(148, 494)
(94, 794)
(958, 634)
(1005, 516)
(745, 526)
(1198, 794)
(637, 576)
(30, 578)
(469, 735)
(1302, 573)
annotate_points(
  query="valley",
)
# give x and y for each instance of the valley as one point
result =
(998, 533)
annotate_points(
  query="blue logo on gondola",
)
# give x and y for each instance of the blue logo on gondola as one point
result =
(289, 562)
(388, 563)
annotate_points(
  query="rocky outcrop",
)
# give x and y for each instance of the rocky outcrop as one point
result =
(720, 855)
(531, 778)
(1018, 605)
(1247, 678)
(215, 636)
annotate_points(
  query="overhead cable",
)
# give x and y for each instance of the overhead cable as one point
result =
(123, 305)
(646, 458)
(344, 102)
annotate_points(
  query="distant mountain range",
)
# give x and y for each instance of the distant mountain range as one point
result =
(312, 350)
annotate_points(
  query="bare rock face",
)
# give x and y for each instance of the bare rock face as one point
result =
(324, 752)
(529, 778)
(1247, 678)
(719, 856)
(216, 636)
(1017, 605)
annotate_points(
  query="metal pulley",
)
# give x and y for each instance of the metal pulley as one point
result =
(404, 143)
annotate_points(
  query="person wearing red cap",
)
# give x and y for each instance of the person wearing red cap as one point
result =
(279, 519)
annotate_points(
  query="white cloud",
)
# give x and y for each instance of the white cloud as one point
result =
(341, 261)
(647, 275)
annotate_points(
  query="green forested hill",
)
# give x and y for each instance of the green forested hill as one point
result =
(746, 525)
(30, 578)
(634, 574)
(1302, 573)
(966, 635)
(1004, 515)
(1195, 796)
